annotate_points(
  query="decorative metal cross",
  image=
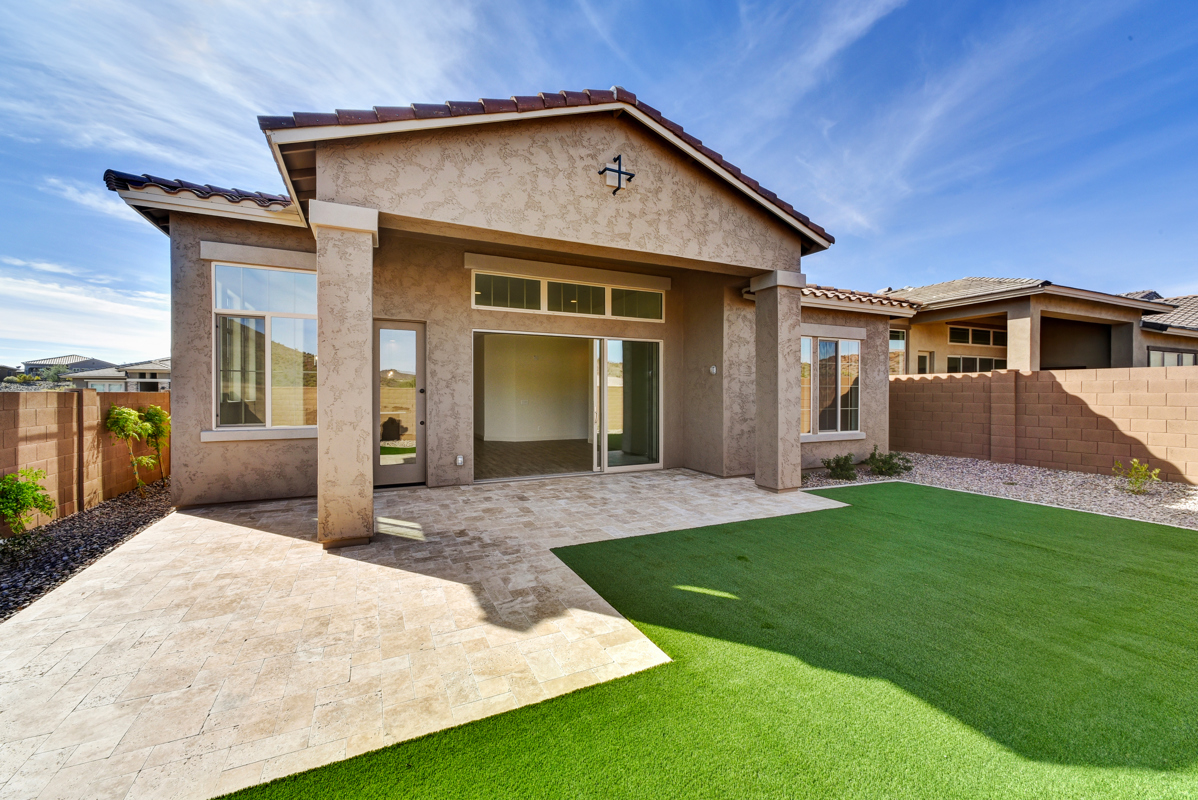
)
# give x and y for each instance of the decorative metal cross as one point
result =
(616, 174)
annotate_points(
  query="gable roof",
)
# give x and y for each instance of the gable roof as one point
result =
(964, 291)
(1146, 294)
(1185, 315)
(119, 370)
(285, 132)
(50, 362)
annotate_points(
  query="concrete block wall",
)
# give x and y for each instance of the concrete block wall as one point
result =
(63, 434)
(1082, 420)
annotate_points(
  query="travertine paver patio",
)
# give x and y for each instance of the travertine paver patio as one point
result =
(223, 647)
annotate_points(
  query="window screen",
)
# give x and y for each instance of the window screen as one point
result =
(576, 298)
(958, 335)
(636, 304)
(502, 291)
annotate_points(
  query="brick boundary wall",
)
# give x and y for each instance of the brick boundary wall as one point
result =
(1081, 419)
(63, 433)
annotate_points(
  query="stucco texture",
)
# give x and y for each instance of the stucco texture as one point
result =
(217, 472)
(539, 178)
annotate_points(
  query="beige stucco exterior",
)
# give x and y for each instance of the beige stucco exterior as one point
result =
(730, 362)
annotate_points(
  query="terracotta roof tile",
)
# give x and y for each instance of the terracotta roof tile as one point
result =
(540, 102)
(831, 293)
(356, 117)
(121, 181)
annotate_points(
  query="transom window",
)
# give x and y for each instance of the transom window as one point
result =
(516, 293)
(973, 364)
(265, 346)
(830, 385)
(979, 336)
(1171, 358)
(898, 352)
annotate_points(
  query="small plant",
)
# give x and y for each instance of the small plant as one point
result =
(20, 496)
(55, 373)
(160, 431)
(127, 426)
(888, 464)
(1137, 475)
(841, 468)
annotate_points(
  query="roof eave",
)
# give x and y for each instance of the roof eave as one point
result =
(281, 136)
(858, 307)
(141, 199)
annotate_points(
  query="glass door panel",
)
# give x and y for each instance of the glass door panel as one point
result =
(632, 403)
(399, 403)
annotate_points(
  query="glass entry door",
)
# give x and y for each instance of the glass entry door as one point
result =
(632, 404)
(399, 403)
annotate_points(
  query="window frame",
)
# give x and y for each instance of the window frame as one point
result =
(217, 314)
(962, 371)
(905, 339)
(992, 332)
(607, 302)
(813, 412)
(1181, 351)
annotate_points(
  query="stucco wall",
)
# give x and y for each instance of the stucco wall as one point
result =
(539, 178)
(1071, 344)
(932, 337)
(875, 385)
(218, 472)
(426, 281)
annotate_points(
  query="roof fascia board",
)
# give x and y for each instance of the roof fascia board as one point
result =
(1108, 299)
(1173, 331)
(196, 205)
(282, 136)
(857, 307)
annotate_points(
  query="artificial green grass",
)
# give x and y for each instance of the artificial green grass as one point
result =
(920, 643)
(396, 451)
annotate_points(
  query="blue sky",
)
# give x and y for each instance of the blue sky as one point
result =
(934, 138)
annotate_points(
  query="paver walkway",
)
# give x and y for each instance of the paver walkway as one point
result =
(223, 647)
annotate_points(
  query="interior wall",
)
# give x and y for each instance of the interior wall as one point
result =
(536, 387)
(480, 387)
(1068, 343)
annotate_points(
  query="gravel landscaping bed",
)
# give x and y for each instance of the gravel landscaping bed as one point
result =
(1168, 503)
(68, 545)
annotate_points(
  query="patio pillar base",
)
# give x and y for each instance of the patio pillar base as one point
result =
(334, 543)
(779, 379)
(345, 240)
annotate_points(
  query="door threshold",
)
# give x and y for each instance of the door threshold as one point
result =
(537, 477)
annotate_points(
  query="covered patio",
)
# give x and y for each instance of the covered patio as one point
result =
(224, 647)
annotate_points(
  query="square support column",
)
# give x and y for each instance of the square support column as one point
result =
(779, 380)
(345, 240)
(1023, 337)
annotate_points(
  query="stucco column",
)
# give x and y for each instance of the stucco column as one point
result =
(779, 372)
(1023, 337)
(345, 240)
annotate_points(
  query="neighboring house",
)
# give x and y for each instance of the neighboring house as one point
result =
(492, 294)
(982, 324)
(76, 363)
(7, 372)
(1172, 337)
(140, 376)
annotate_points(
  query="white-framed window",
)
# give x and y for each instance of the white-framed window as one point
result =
(490, 291)
(265, 328)
(975, 364)
(104, 386)
(830, 385)
(986, 337)
(898, 352)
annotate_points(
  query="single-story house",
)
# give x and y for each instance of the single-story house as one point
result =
(76, 363)
(538, 285)
(982, 324)
(139, 376)
(7, 372)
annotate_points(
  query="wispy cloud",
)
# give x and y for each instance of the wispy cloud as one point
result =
(90, 197)
(40, 266)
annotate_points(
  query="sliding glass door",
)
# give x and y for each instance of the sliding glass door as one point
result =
(561, 405)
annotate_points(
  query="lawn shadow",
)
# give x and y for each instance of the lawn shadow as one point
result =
(1067, 637)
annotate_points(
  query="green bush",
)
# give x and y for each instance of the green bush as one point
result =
(841, 468)
(160, 431)
(127, 426)
(20, 497)
(1138, 476)
(889, 464)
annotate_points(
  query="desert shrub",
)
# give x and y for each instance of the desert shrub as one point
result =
(160, 431)
(1137, 475)
(21, 495)
(127, 426)
(888, 464)
(841, 468)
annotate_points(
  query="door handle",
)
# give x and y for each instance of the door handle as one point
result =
(421, 422)
(422, 391)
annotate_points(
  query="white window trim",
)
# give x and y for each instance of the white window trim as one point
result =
(217, 313)
(976, 358)
(971, 329)
(543, 281)
(243, 434)
(837, 435)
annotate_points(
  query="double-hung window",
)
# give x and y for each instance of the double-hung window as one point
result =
(265, 346)
(830, 385)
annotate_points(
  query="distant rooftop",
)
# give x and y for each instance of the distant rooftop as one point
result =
(961, 288)
(49, 362)
(1184, 316)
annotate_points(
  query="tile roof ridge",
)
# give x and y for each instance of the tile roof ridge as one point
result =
(523, 104)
